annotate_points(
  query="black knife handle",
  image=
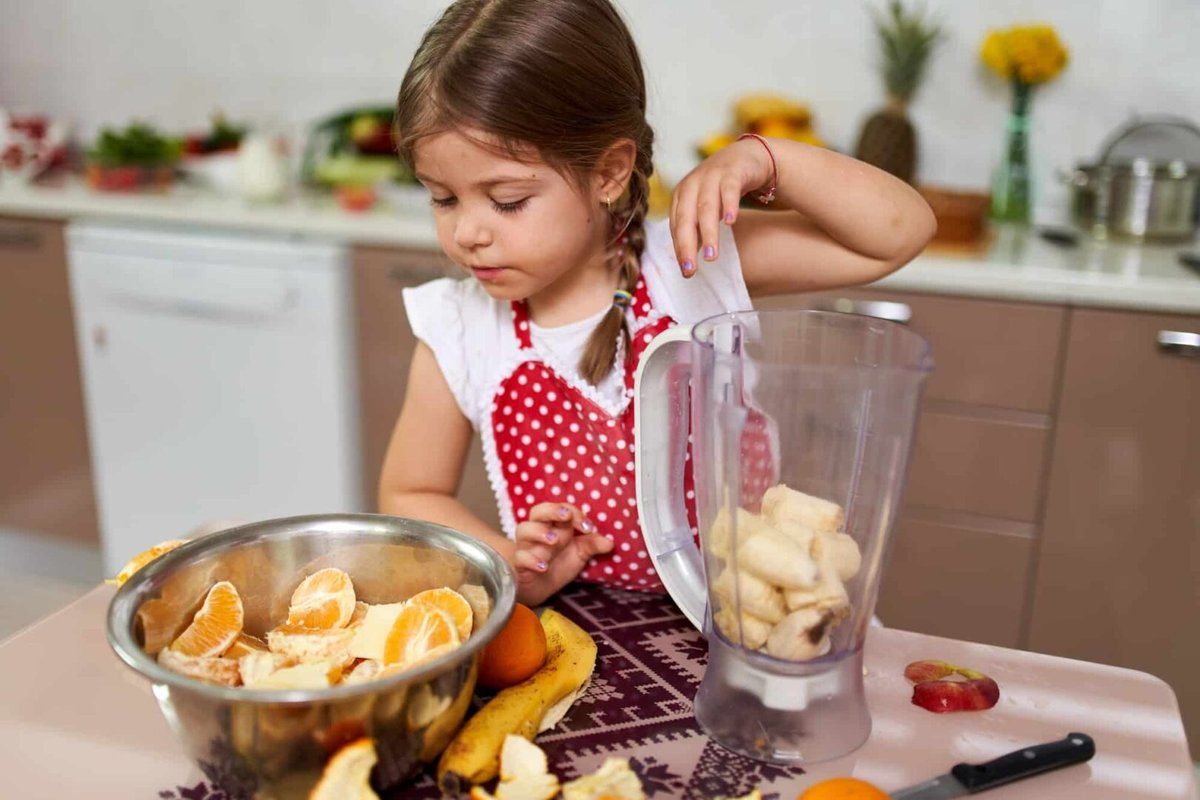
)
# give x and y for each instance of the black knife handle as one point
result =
(1075, 749)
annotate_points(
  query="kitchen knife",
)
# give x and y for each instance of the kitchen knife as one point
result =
(971, 778)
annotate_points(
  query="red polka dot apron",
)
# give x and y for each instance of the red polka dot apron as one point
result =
(555, 444)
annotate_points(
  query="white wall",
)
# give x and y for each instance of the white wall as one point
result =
(288, 62)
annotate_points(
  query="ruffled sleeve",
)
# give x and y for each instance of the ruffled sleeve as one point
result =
(717, 287)
(437, 312)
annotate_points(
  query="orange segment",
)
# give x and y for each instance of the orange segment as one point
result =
(347, 776)
(142, 559)
(221, 671)
(324, 599)
(312, 644)
(453, 604)
(216, 625)
(419, 632)
(244, 645)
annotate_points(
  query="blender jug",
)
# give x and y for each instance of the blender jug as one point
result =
(783, 439)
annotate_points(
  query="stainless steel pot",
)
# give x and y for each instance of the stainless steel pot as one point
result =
(1140, 197)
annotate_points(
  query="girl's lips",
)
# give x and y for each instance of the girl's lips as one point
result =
(487, 273)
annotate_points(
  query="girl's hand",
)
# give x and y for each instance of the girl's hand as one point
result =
(710, 194)
(552, 548)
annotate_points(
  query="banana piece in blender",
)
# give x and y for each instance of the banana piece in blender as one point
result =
(784, 506)
(754, 595)
(802, 635)
(747, 629)
(778, 559)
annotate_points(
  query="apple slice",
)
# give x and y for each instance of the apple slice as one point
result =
(941, 687)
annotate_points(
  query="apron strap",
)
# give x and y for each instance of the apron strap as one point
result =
(520, 315)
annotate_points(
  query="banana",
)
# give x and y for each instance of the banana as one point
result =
(473, 756)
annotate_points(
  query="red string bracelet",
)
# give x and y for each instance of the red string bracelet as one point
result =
(769, 194)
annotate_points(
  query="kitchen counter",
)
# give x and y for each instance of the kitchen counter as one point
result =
(1016, 265)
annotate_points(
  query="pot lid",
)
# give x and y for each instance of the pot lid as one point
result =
(1152, 141)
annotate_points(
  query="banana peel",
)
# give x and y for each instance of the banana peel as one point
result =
(473, 756)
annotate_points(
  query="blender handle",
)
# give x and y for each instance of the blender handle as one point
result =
(661, 416)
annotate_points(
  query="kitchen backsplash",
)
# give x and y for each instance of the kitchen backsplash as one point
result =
(284, 63)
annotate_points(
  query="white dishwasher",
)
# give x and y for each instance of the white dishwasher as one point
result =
(218, 377)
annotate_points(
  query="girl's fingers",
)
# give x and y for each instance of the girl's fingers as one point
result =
(683, 227)
(731, 199)
(540, 552)
(708, 218)
(526, 560)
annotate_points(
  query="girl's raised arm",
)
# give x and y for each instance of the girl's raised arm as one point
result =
(425, 457)
(835, 221)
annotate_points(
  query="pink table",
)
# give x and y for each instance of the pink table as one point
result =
(75, 722)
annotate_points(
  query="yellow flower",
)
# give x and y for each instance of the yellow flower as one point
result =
(1028, 53)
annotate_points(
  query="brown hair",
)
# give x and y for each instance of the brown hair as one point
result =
(561, 76)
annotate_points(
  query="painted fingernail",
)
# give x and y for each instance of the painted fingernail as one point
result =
(688, 267)
(551, 537)
(729, 216)
(710, 252)
(541, 565)
(587, 526)
(564, 512)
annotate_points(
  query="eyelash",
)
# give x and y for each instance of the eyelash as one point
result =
(502, 208)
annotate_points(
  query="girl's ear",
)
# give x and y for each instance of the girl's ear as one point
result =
(613, 170)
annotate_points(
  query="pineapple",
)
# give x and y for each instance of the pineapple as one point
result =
(888, 139)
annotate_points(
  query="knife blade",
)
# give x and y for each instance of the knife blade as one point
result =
(965, 779)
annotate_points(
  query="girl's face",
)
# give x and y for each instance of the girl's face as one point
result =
(518, 226)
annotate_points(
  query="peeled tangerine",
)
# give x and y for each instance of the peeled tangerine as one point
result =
(785, 589)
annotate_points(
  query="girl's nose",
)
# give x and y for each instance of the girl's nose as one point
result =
(470, 231)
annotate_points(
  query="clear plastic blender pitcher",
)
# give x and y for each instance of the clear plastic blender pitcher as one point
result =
(797, 426)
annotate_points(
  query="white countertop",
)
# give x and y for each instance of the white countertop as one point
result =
(1019, 264)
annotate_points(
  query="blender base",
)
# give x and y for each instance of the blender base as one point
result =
(778, 717)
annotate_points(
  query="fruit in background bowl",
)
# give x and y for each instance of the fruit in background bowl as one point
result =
(942, 687)
(356, 198)
(30, 144)
(222, 137)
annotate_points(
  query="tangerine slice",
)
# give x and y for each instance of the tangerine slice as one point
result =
(244, 645)
(142, 559)
(453, 604)
(324, 599)
(210, 669)
(419, 632)
(312, 644)
(216, 625)
(347, 776)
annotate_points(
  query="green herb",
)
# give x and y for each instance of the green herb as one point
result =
(139, 145)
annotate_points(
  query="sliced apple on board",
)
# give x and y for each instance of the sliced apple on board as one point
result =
(941, 687)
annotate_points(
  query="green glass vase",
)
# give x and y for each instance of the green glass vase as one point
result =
(1012, 185)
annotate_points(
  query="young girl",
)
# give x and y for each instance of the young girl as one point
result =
(526, 120)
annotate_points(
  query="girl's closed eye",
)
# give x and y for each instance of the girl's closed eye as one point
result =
(510, 207)
(443, 202)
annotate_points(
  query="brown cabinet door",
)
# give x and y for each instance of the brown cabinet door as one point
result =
(385, 345)
(45, 467)
(1118, 579)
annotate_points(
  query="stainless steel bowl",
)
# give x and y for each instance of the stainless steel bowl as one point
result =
(274, 744)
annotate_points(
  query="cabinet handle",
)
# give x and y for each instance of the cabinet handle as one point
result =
(20, 238)
(1181, 343)
(879, 309)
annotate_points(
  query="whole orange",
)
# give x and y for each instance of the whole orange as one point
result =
(843, 789)
(518, 651)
